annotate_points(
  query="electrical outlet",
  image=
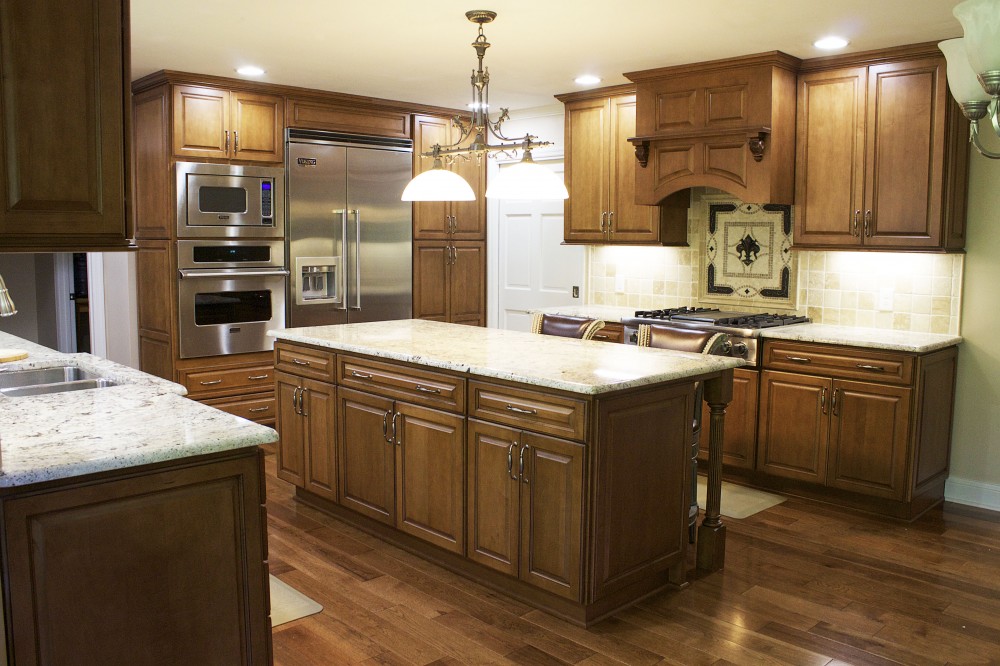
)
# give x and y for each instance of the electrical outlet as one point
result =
(885, 295)
(620, 284)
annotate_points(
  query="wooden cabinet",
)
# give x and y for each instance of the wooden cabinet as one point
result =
(241, 384)
(346, 116)
(215, 123)
(739, 446)
(307, 452)
(449, 281)
(164, 563)
(525, 506)
(612, 332)
(875, 424)
(882, 156)
(64, 107)
(600, 177)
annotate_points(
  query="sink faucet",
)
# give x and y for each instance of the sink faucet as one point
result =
(7, 307)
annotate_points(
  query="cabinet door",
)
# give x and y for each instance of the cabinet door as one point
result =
(430, 280)
(739, 446)
(320, 409)
(628, 222)
(551, 514)
(467, 284)
(905, 153)
(430, 475)
(469, 216)
(258, 125)
(868, 439)
(794, 425)
(830, 158)
(493, 519)
(588, 128)
(63, 125)
(291, 430)
(366, 460)
(430, 218)
(201, 123)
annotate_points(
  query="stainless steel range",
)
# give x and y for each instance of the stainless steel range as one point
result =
(743, 328)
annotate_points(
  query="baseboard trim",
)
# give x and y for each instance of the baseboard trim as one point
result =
(973, 493)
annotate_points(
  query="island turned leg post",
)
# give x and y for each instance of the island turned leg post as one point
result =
(711, 555)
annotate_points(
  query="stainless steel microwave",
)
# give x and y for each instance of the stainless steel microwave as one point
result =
(230, 201)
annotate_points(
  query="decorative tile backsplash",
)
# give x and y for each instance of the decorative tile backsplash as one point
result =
(888, 290)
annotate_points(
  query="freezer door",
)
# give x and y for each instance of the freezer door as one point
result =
(380, 235)
(317, 218)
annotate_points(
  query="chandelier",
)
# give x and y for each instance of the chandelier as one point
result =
(974, 66)
(523, 180)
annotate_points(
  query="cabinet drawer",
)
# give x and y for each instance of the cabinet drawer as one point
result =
(227, 380)
(835, 361)
(258, 407)
(525, 408)
(611, 332)
(398, 381)
(304, 362)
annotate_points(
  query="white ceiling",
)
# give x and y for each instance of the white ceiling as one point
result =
(416, 51)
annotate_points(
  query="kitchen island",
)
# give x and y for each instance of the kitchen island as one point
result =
(131, 523)
(552, 469)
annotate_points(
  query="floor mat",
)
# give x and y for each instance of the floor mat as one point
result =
(289, 604)
(739, 501)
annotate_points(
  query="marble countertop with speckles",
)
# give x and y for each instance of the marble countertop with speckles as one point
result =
(579, 366)
(873, 338)
(142, 420)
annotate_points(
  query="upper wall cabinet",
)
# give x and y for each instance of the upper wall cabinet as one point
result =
(64, 126)
(347, 117)
(600, 176)
(212, 123)
(882, 154)
(727, 124)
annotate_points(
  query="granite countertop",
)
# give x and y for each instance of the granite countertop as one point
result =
(578, 366)
(142, 420)
(873, 338)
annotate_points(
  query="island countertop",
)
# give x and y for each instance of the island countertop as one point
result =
(142, 420)
(578, 366)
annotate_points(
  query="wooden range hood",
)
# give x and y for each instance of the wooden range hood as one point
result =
(727, 124)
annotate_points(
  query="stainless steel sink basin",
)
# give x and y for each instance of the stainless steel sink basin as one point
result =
(40, 381)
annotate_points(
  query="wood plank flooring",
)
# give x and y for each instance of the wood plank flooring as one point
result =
(804, 584)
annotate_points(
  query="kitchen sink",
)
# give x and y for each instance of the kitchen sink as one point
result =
(49, 380)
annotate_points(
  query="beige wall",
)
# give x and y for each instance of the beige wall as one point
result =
(976, 436)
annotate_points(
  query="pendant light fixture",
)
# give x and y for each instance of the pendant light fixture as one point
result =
(524, 180)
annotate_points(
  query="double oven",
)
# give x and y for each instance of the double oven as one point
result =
(231, 277)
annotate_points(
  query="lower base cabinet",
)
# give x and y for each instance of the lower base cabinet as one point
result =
(306, 417)
(740, 442)
(525, 506)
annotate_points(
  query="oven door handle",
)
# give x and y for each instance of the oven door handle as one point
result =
(230, 273)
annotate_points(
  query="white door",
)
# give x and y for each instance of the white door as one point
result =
(534, 269)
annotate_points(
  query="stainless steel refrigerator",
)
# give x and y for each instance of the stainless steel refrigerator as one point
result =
(349, 235)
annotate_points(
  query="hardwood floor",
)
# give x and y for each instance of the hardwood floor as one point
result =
(804, 584)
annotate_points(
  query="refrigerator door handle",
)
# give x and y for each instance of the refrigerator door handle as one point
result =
(356, 290)
(341, 279)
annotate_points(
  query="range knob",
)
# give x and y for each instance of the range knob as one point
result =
(740, 349)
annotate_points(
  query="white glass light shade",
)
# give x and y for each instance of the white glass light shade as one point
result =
(980, 20)
(962, 79)
(438, 185)
(526, 180)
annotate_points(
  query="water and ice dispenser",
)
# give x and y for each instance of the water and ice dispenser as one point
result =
(319, 280)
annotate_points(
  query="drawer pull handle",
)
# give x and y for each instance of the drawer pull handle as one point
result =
(601, 337)
(798, 359)
(360, 375)
(254, 378)
(518, 410)
(258, 409)
(873, 368)
(299, 361)
(427, 389)
(211, 383)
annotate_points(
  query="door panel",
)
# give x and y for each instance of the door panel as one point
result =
(291, 430)
(493, 518)
(429, 217)
(551, 514)
(201, 122)
(587, 178)
(320, 409)
(794, 425)
(739, 446)
(258, 125)
(467, 282)
(868, 439)
(430, 476)
(366, 460)
(631, 222)
(430, 280)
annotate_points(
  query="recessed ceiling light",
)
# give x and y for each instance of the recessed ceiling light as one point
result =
(587, 80)
(830, 43)
(249, 70)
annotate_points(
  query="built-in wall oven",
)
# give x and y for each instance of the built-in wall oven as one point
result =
(223, 200)
(230, 294)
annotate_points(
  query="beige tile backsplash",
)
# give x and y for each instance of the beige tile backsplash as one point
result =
(848, 288)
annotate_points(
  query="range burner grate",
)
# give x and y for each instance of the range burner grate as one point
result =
(761, 320)
(667, 313)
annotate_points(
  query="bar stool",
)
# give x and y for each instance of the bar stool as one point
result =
(565, 326)
(699, 342)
